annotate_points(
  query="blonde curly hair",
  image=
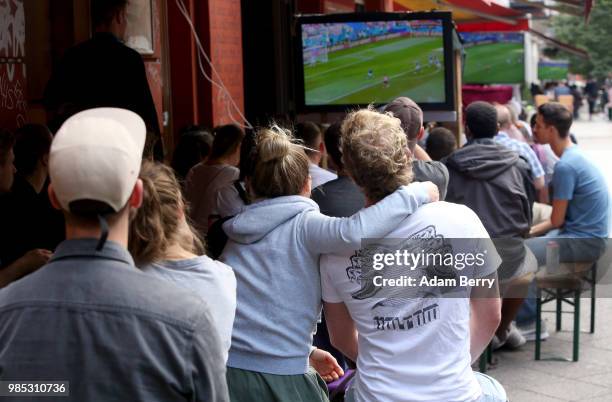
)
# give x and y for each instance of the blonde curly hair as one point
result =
(375, 152)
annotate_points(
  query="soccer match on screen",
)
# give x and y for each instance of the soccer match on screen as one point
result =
(373, 62)
(493, 58)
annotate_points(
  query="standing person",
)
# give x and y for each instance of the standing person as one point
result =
(312, 137)
(205, 179)
(274, 248)
(163, 244)
(340, 197)
(33, 259)
(591, 90)
(193, 147)
(577, 100)
(409, 346)
(423, 168)
(441, 142)
(90, 317)
(102, 72)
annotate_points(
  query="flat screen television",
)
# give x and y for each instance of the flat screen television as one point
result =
(353, 60)
(494, 57)
(553, 70)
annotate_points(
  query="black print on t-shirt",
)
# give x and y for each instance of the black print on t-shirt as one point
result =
(426, 241)
(416, 319)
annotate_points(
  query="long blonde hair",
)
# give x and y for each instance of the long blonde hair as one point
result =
(161, 220)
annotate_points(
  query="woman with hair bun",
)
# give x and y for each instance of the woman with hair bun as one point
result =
(274, 246)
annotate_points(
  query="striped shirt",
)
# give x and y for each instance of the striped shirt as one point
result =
(524, 150)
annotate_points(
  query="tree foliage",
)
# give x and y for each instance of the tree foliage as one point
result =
(595, 37)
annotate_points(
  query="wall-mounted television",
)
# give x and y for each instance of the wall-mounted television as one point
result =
(494, 57)
(553, 70)
(352, 60)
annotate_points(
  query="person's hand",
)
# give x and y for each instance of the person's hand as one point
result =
(33, 259)
(326, 365)
(432, 190)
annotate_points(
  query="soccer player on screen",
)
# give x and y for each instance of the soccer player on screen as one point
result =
(386, 81)
(417, 67)
(370, 73)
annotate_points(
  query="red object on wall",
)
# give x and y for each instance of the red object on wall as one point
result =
(493, 26)
(489, 93)
(13, 100)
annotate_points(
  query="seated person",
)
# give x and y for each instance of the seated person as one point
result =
(441, 142)
(424, 353)
(491, 180)
(581, 203)
(312, 139)
(423, 168)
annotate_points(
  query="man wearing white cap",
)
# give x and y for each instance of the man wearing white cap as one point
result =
(89, 317)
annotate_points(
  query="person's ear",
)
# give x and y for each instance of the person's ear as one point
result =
(307, 187)
(53, 198)
(137, 196)
(322, 147)
(45, 160)
(421, 133)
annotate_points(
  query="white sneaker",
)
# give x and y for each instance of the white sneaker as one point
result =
(497, 343)
(515, 339)
(529, 331)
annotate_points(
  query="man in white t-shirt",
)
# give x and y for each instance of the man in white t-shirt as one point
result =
(411, 342)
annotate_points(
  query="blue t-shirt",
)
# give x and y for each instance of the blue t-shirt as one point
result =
(578, 180)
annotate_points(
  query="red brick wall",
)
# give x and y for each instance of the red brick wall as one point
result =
(225, 27)
(13, 100)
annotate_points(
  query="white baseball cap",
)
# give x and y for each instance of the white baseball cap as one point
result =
(96, 155)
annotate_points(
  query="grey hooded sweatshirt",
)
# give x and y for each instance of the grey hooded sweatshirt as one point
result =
(274, 247)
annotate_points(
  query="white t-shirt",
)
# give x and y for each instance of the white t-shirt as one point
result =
(320, 175)
(213, 281)
(413, 348)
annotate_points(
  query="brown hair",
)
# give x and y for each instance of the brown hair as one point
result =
(375, 152)
(280, 166)
(158, 221)
(227, 139)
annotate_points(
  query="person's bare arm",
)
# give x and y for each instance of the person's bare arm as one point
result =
(30, 262)
(341, 328)
(557, 219)
(538, 183)
(420, 154)
(485, 316)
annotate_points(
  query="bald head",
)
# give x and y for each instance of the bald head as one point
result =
(504, 118)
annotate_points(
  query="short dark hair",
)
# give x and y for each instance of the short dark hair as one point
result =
(193, 146)
(481, 119)
(32, 142)
(227, 140)
(7, 141)
(103, 11)
(310, 133)
(332, 143)
(441, 142)
(557, 115)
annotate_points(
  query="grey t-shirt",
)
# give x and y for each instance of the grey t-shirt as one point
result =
(432, 171)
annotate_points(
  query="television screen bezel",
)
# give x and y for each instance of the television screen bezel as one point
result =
(447, 32)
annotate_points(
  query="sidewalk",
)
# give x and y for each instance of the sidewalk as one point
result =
(589, 379)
